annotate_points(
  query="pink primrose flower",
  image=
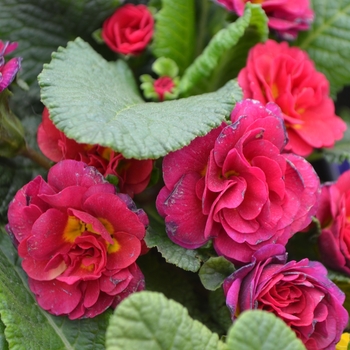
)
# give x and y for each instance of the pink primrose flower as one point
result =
(298, 292)
(78, 239)
(286, 17)
(236, 186)
(334, 216)
(8, 70)
(129, 29)
(286, 75)
(134, 175)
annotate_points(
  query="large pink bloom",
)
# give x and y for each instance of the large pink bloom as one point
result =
(298, 292)
(235, 185)
(285, 75)
(133, 175)
(334, 216)
(79, 240)
(286, 17)
(9, 69)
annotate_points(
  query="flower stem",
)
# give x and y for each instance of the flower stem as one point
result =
(36, 157)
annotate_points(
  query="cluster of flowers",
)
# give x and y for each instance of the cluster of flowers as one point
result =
(245, 186)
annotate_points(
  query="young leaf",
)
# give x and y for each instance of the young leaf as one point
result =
(220, 61)
(328, 41)
(214, 271)
(175, 24)
(150, 321)
(93, 101)
(26, 323)
(261, 330)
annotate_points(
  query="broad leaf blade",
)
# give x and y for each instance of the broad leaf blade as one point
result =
(93, 101)
(214, 271)
(221, 60)
(26, 323)
(175, 24)
(328, 41)
(261, 330)
(149, 321)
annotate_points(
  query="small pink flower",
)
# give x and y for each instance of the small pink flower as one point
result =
(163, 85)
(9, 69)
(298, 292)
(285, 16)
(236, 186)
(334, 216)
(129, 29)
(78, 239)
(286, 75)
(134, 175)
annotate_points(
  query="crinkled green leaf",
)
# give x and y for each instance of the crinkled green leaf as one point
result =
(40, 26)
(150, 321)
(187, 259)
(179, 285)
(261, 330)
(175, 24)
(94, 101)
(221, 60)
(30, 327)
(214, 271)
(328, 41)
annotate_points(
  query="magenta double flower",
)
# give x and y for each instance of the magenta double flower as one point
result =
(237, 187)
(298, 292)
(79, 240)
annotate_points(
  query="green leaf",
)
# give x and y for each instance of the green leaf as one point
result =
(93, 101)
(328, 41)
(343, 282)
(175, 24)
(26, 323)
(14, 173)
(3, 342)
(150, 321)
(187, 259)
(221, 60)
(261, 330)
(214, 271)
(40, 26)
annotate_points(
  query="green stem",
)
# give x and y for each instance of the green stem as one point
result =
(36, 157)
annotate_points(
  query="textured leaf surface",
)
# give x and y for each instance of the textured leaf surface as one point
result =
(214, 271)
(187, 259)
(328, 41)
(175, 24)
(261, 330)
(28, 324)
(40, 26)
(94, 101)
(150, 321)
(220, 60)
